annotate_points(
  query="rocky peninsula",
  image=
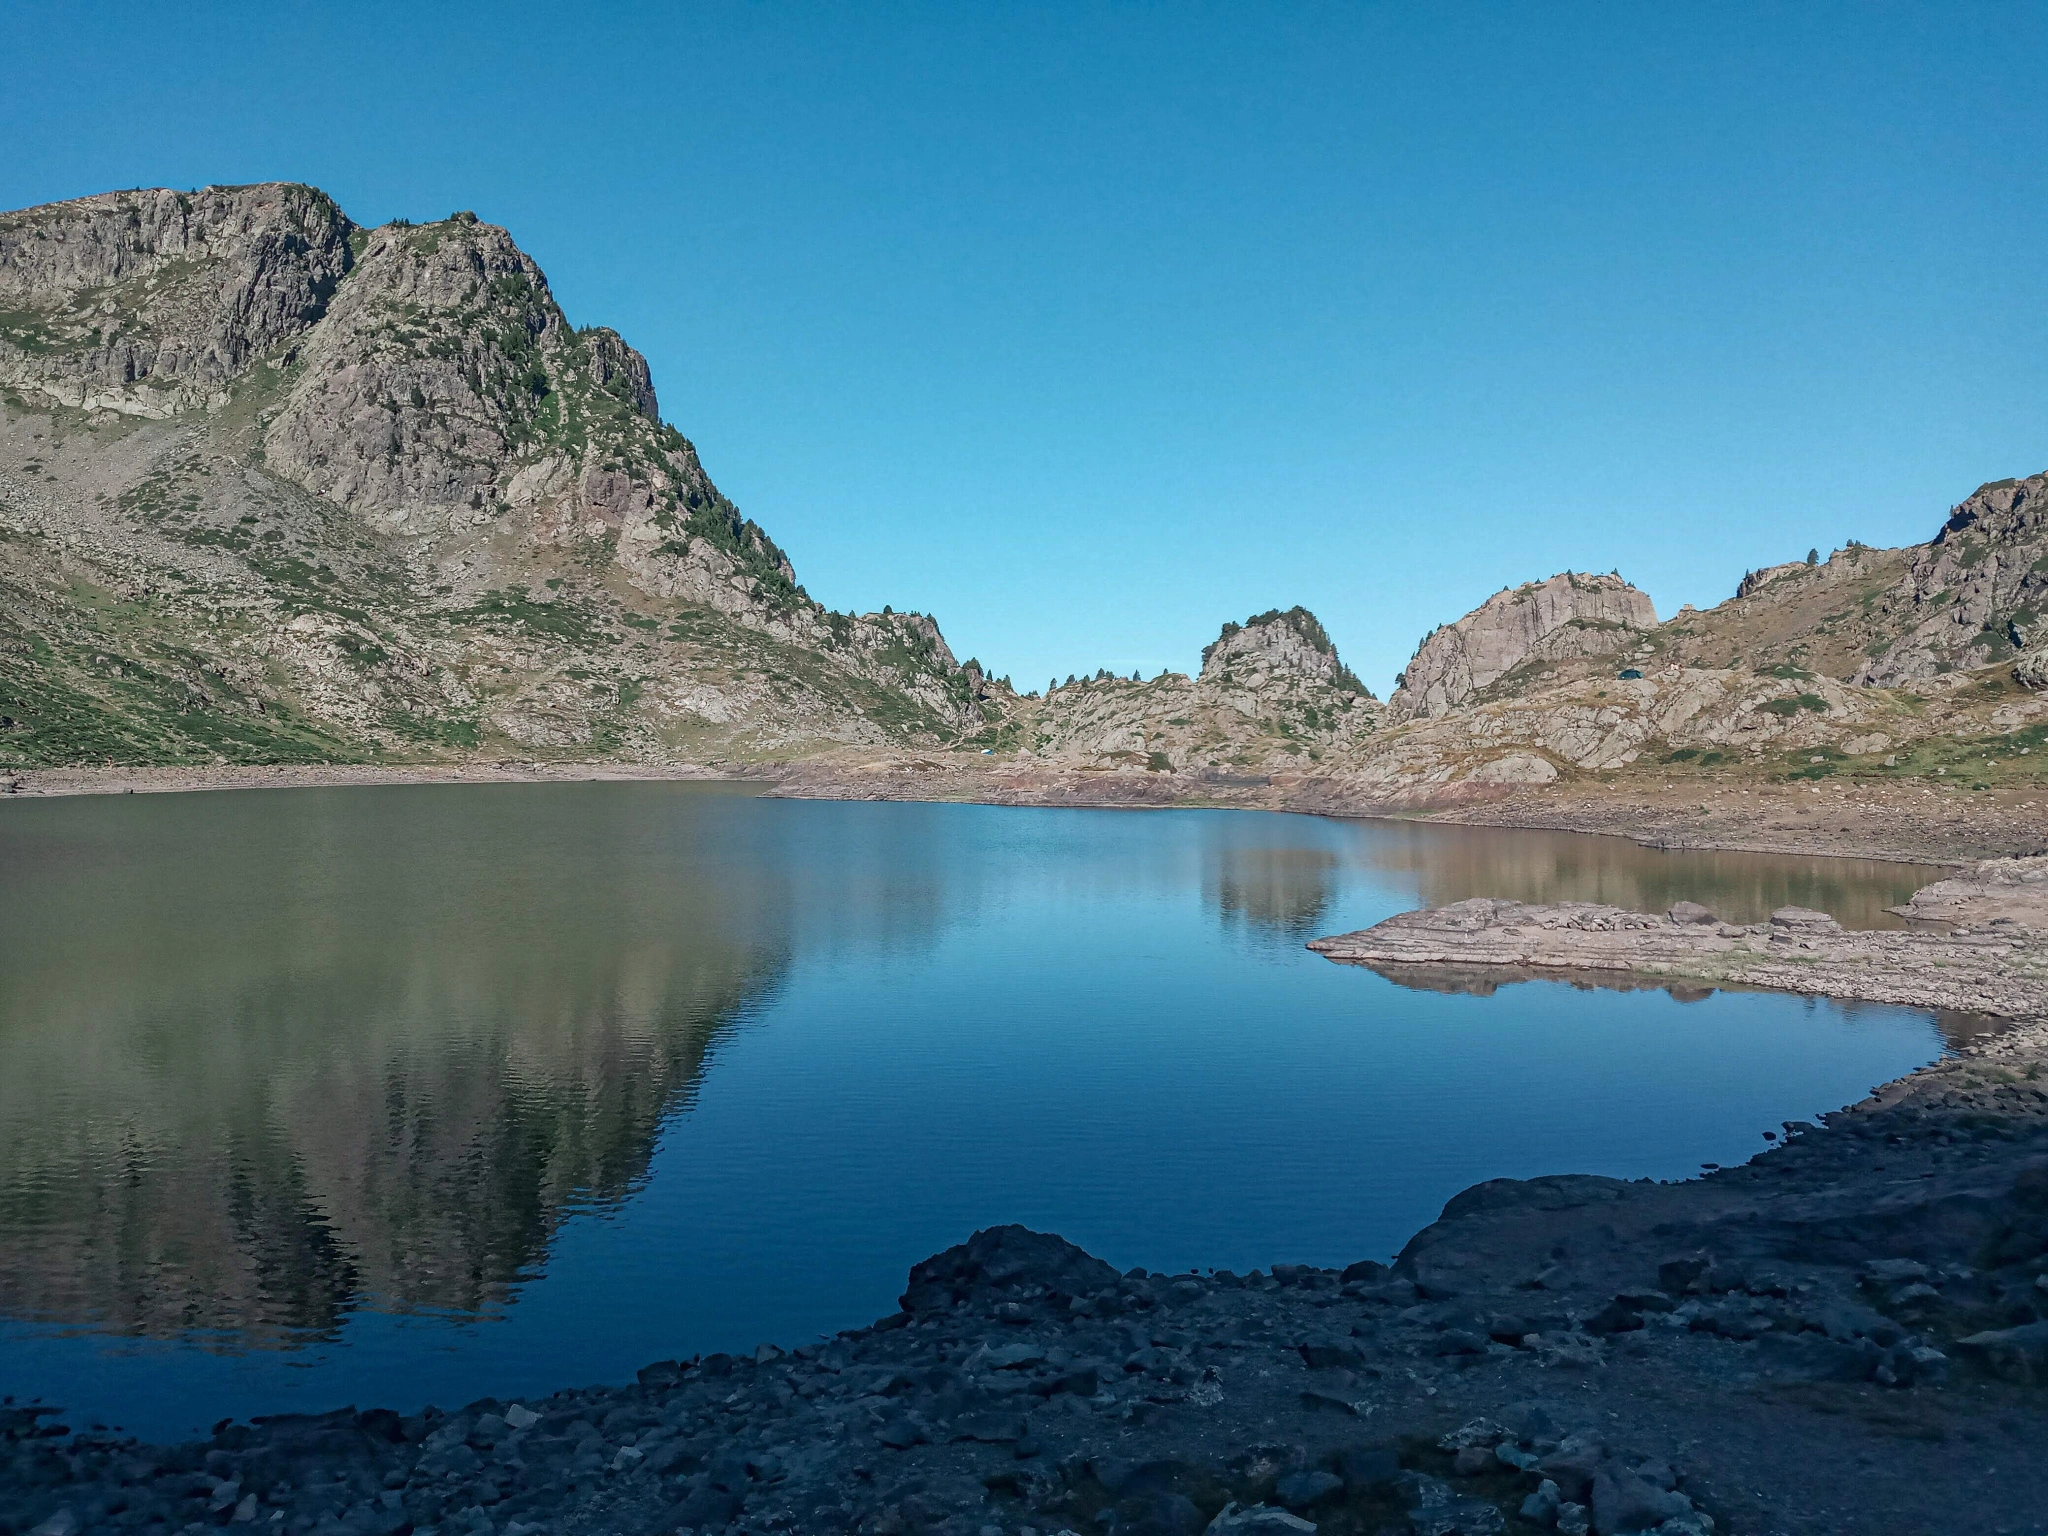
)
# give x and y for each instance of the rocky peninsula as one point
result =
(1850, 1332)
(1980, 945)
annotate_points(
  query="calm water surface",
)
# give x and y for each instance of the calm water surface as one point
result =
(415, 1094)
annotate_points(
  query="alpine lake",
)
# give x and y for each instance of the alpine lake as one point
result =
(415, 1094)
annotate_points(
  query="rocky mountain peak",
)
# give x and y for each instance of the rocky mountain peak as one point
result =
(1277, 645)
(445, 379)
(153, 302)
(1573, 614)
(448, 515)
(1975, 594)
(2007, 510)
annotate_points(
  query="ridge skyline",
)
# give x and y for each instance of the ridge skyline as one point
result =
(1086, 372)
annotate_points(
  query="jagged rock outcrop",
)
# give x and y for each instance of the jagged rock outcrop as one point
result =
(1280, 649)
(154, 302)
(2031, 669)
(1570, 615)
(446, 518)
(1272, 694)
(1973, 595)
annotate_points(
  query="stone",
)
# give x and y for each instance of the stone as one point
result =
(1006, 1357)
(1307, 1488)
(1692, 914)
(1328, 1402)
(520, 1417)
(1459, 1341)
(1330, 1353)
(2012, 1354)
(1366, 1467)
(1541, 1506)
(1480, 1434)
(1618, 1316)
(988, 1428)
(661, 1373)
(1000, 1259)
(1625, 1503)
(1159, 1514)
(1572, 1467)
(899, 1434)
(1257, 1520)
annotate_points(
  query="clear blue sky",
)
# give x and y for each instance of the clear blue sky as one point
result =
(1087, 327)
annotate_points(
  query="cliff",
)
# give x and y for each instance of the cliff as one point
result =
(277, 487)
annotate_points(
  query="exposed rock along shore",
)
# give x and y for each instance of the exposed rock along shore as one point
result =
(1991, 955)
(1850, 1332)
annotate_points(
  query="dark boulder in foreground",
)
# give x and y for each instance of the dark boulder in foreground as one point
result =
(1002, 1260)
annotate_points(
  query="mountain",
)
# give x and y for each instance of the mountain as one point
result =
(1893, 660)
(1569, 616)
(1271, 694)
(274, 486)
(1971, 597)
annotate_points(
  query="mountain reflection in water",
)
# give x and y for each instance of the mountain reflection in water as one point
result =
(268, 1060)
(278, 1056)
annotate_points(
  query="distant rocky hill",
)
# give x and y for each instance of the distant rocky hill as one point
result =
(1271, 693)
(274, 486)
(1495, 646)
(1889, 658)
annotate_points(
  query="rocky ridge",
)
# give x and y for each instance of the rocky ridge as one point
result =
(276, 487)
(1272, 693)
(1569, 616)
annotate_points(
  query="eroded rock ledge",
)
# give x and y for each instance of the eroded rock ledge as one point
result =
(1983, 949)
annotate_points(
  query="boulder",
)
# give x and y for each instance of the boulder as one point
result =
(2013, 1354)
(1004, 1259)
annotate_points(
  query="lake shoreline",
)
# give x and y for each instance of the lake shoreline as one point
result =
(1900, 823)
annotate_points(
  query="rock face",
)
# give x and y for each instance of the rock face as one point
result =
(1276, 649)
(1967, 599)
(2031, 670)
(443, 518)
(1972, 596)
(1569, 616)
(154, 302)
(1272, 696)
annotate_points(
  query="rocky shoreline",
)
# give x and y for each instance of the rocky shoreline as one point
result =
(1850, 1332)
(1905, 823)
(1980, 945)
